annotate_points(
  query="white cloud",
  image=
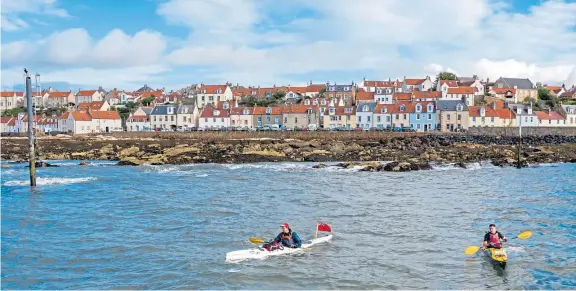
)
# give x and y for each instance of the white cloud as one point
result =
(466, 37)
(12, 10)
(75, 47)
(515, 69)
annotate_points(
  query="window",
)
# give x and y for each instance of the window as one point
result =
(387, 118)
(402, 108)
(405, 117)
(397, 116)
(269, 110)
(474, 119)
(366, 108)
(295, 119)
(307, 102)
(378, 119)
(348, 110)
(418, 108)
(154, 118)
(205, 119)
(332, 110)
(429, 116)
(277, 119)
(210, 98)
(483, 119)
(165, 117)
(418, 126)
(491, 119)
(368, 118)
(448, 117)
(417, 116)
(267, 119)
(323, 102)
(245, 122)
(213, 119)
(430, 107)
(459, 117)
(359, 118)
(172, 118)
(222, 120)
(285, 119)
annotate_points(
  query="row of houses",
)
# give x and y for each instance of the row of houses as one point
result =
(512, 90)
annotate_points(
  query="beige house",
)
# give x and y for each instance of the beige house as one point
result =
(460, 93)
(452, 115)
(8, 100)
(300, 116)
(60, 99)
(570, 111)
(105, 121)
(483, 116)
(410, 85)
(139, 120)
(213, 94)
(242, 117)
(524, 88)
(88, 96)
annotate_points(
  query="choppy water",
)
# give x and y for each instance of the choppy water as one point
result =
(169, 227)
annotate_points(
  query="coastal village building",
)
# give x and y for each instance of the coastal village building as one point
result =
(214, 117)
(339, 115)
(410, 85)
(422, 115)
(443, 85)
(241, 117)
(268, 116)
(384, 95)
(472, 82)
(347, 93)
(525, 116)
(373, 86)
(60, 99)
(363, 96)
(570, 94)
(105, 121)
(452, 115)
(401, 114)
(300, 116)
(88, 96)
(75, 122)
(550, 119)
(482, 116)
(460, 93)
(139, 120)
(4, 121)
(365, 115)
(570, 111)
(383, 116)
(163, 117)
(523, 89)
(212, 94)
(8, 100)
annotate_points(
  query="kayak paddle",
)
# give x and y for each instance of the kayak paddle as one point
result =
(473, 249)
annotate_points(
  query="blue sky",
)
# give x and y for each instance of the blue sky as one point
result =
(174, 43)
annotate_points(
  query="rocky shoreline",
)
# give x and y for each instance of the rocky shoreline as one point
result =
(407, 153)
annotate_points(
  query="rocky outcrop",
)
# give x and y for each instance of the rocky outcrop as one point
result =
(408, 153)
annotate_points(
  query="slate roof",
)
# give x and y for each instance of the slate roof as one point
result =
(451, 105)
(520, 83)
(163, 110)
(371, 107)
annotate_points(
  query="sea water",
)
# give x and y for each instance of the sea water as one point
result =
(169, 227)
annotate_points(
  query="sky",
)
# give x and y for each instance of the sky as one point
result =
(175, 43)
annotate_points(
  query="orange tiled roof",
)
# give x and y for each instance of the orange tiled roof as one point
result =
(80, 116)
(364, 96)
(105, 115)
(59, 94)
(475, 111)
(414, 81)
(5, 119)
(240, 110)
(8, 94)
(210, 111)
(86, 92)
(401, 96)
(450, 83)
(297, 109)
(543, 115)
(315, 88)
(379, 84)
(503, 90)
(462, 90)
(505, 113)
(427, 94)
(95, 105)
(262, 110)
(389, 108)
(212, 89)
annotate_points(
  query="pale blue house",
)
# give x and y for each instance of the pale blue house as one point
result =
(423, 116)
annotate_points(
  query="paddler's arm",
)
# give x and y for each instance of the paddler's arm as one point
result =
(297, 240)
(278, 238)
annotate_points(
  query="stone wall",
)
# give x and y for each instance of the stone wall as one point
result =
(526, 131)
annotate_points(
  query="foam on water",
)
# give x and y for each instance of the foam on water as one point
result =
(51, 181)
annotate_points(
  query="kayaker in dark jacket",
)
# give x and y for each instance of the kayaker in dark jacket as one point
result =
(493, 239)
(287, 237)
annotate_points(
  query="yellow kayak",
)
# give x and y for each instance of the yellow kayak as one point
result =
(497, 256)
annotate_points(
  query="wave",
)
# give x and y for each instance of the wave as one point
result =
(51, 181)
(469, 166)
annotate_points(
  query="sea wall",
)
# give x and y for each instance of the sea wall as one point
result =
(526, 131)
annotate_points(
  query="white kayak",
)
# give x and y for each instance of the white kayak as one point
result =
(260, 253)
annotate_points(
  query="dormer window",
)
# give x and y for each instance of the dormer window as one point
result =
(331, 88)
(309, 111)
(315, 102)
(418, 108)
(402, 107)
(269, 110)
(384, 110)
(203, 91)
(459, 107)
(430, 108)
(332, 110)
(253, 92)
(348, 110)
(346, 88)
(482, 111)
(246, 111)
(219, 91)
(216, 112)
(379, 91)
(365, 108)
(323, 102)
(225, 105)
(307, 102)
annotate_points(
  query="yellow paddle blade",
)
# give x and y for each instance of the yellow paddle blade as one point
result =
(256, 240)
(307, 249)
(471, 250)
(525, 235)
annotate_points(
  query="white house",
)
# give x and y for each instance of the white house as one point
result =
(409, 85)
(570, 115)
(60, 99)
(365, 115)
(75, 122)
(212, 117)
(105, 121)
(525, 116)
(212, 94)
(187, 116)
(460, 93)
(139, 120)
(443, 85)
(383, 95)
(473, 82)
(383, 115)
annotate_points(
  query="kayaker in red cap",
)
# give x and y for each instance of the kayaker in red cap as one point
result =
(493, 239)
(287, 237)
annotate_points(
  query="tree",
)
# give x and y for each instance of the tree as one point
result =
(549, 99)
(279, 95)
(131, 106)
(446, 76)
(14, 111)
(146, 101)
(322, 92)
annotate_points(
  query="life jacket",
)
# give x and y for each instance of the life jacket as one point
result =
(287, 238)
(495, 239)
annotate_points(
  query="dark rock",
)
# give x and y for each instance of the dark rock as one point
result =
(319, 166)
(84, 163)
(41, 164)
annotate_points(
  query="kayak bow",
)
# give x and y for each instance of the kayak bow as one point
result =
(497, 256)
(260, 253)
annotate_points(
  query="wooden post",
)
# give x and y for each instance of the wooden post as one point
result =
(31, 143)
(519, 165)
